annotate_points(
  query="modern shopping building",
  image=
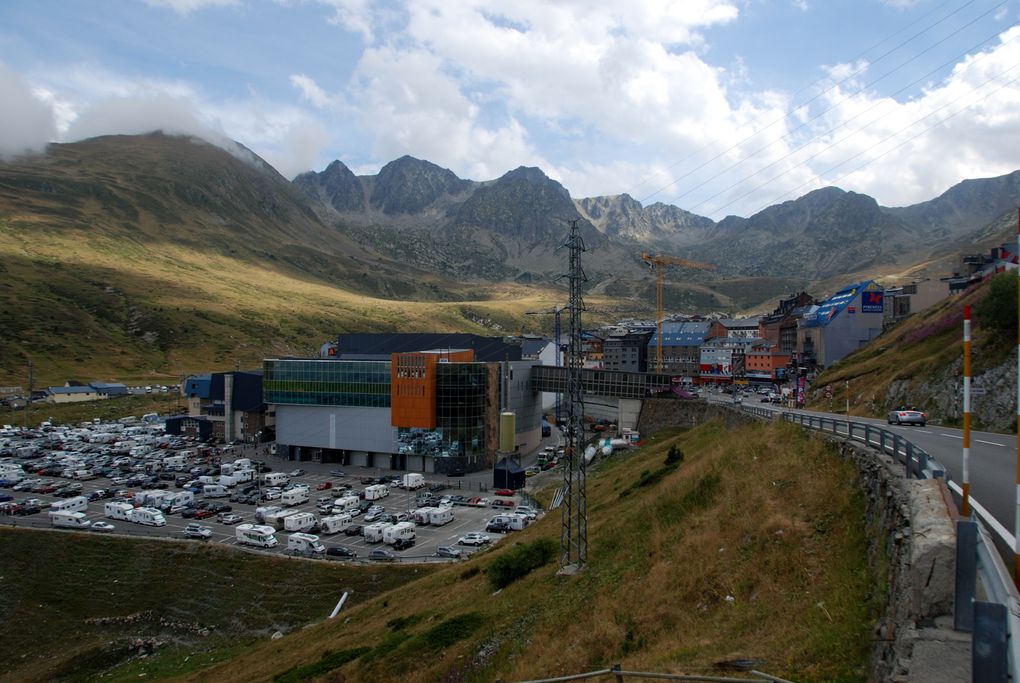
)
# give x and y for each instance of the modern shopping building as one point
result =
(841, 324)
(416, 402)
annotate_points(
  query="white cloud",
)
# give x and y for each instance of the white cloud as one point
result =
(310, 91)
(26, 120)
(188, 6)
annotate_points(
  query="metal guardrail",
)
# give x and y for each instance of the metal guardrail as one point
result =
(995, 578)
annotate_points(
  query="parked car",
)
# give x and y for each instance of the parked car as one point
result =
(448, 551)
(904, 416)
(504, 492)
(503, 503)
(102, 527)
(297, 472)
(189, 512)
(340, 551)
(203, 513)
(474, 538)
(337, 473)
(403, 543)
(326, 485)
(374, 515)
(382, 555)
(354, 530)
(195, 530)
(229, 518)
(498, 527)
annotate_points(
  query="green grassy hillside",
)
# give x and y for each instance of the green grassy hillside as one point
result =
(752, 546)
(75, 605)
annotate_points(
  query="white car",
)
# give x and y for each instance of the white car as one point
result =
(195, 530)
(474, 538)
(102, 527)
(528, 512)
(271, 495)
(373, 515)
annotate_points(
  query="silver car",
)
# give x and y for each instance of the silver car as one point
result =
(907, 416)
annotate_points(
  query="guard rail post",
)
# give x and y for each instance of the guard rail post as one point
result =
(966, 575)
(867, 434)
(881, 439)
(909, 455)
(989, 653)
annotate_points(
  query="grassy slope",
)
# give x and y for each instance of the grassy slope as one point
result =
(110, 409)
(764, 514)
(54, 583)
(911, 352)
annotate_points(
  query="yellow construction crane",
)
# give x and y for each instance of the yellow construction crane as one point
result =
(657, 263)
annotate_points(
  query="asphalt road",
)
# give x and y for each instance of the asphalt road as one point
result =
(992, 464)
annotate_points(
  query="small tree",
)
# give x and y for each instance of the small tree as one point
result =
(675, 456)
(998, 310)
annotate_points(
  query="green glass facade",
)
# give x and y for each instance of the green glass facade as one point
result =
(327, 383)
(461, 408)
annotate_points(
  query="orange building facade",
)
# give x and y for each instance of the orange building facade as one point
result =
(414, 385)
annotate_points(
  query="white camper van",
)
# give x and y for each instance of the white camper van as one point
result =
(115, 510)
(293, 497)
(334, 524)
(147, 516)
(421, 515)
(345, 504)
(76, 504)
(374, 532)
(69, 520)
(376, 491)
(305, 544)
(215, 491)
(441, 516)
(398, 533)
(302, 521)
(277, 519)
(258, 535)
(275, 478)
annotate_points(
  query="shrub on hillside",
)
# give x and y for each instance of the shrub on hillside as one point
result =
(521, 561)
(998, 310)
(951, 320)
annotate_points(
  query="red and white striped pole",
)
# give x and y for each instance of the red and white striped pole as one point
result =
(966, 412)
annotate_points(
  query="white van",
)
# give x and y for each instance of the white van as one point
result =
(413, 480)
(345, 504)
(334, 524)
(421, 515)
(215, 491)
(302, 521)
(69, 520)
(277, 519)
(147, 516)
(117, 510)
(441, 516)
(403, 531)
(374, 532)
(293, 497)
(305, 544)
(256, 535)
(275, 478)
(376, 491)
(76, 504)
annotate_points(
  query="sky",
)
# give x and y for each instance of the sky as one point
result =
(716, 106)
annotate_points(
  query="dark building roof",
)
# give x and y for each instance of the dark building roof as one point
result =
(369, 346)
(534, 347)
(198, 386)
(682, 334)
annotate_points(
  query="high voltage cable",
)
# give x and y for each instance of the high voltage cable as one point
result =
(883, 141)
(860, 90)
(837, 127)
(815, 97)
(811, 85)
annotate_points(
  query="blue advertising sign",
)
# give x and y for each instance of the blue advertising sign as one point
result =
(872, 302)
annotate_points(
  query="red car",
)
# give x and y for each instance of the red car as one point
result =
(202, 514)
(324, 485)
(504, 492)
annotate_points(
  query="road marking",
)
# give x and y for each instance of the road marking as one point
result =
(991, 443)
(952, 436)
(925, 431)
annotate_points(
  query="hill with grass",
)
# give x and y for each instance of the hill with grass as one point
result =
(706, 546)
(78, 606)
(920, 362)
(139, 257)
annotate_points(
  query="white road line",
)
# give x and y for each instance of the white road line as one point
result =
(991, 443)
(925, 431)
(952, 436)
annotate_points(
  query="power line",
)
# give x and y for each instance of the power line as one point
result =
(818, 81)
(884, 140)
(841, 125)
(853, 94)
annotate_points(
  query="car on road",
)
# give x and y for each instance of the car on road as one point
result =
(381, 555)
(340, 551)
(194, 530)
(448, 551)
(910, 416)
(297, 472)
(473, 538)
(102, 527)
(229, 518)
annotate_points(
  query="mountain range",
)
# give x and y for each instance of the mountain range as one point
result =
(172, 251)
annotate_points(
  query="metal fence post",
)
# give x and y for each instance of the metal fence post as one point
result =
(966, 575)
(616, 672)
(989, 659)
(867, 434)
(909, 454)
(881, 439)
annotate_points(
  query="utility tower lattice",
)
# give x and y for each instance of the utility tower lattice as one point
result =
(574, 526)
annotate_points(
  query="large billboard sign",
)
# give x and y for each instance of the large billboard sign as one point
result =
(872, 301)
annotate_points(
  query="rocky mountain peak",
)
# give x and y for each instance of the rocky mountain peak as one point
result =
(408, 185)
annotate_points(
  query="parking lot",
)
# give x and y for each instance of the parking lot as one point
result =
(64, 451)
